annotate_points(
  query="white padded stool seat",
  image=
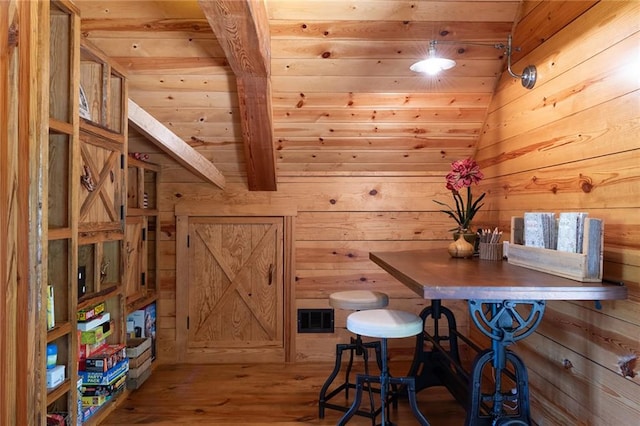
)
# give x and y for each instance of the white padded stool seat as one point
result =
(358, 300)
(384, 323)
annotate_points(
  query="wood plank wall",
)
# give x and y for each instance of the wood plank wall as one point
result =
(340, 219)
(573, 144)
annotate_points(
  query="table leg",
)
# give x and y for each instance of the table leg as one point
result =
(440, 364)
(504, 323)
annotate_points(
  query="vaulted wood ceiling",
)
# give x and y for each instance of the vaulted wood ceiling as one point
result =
(309, 87)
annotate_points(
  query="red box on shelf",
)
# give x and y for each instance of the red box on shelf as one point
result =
(106, 358)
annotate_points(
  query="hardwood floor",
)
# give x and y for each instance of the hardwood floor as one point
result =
(257, 394)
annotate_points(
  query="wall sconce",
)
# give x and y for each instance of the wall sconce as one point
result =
(434, 64)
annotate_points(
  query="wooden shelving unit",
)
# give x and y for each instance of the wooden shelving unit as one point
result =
(62, 202)
(85, 196)
(142, 221)
(101, 193)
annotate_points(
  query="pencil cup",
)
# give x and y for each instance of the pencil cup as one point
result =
(489, 251)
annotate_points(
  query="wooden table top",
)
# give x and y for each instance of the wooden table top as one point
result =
(433, 274)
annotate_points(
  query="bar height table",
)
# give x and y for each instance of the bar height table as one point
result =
(506, 303)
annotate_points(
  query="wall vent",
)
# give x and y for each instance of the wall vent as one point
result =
(315, 320)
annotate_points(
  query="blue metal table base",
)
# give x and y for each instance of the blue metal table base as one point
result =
(504, 322)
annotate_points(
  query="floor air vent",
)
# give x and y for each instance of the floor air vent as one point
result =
(315, 320)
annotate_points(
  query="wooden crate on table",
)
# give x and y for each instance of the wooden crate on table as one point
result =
(585, 266)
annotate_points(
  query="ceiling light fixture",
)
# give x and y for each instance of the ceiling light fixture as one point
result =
(433, 64)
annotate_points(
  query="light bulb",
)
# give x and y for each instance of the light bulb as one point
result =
(432, 65)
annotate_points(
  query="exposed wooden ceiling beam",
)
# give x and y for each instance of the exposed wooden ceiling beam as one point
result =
(170, 143)
(242, 29)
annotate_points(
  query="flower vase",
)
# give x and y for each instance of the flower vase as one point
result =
(469, 236)
(461, 247)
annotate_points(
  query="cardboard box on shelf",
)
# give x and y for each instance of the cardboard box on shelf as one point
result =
(87, 349)
(135, 323)
(95, 335)
(109, 389)
(106, 358)
(94, 322)
(150, 326)
(93, 401)
(97, 378)
(88, 313)
(55, 376)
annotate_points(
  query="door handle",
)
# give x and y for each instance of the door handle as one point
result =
(271, 267)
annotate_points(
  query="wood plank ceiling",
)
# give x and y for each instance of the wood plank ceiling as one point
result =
(340, 98)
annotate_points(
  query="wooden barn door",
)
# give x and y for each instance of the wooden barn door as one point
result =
(234, 294)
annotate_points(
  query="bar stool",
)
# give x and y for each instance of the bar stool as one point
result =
(355, 300)
(385, 324)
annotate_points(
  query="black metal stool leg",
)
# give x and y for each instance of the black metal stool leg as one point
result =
(354, 347)
(410, 384)
(359, 347)
(365, 356)
(336, 369)
(386, 383)
(356, 402)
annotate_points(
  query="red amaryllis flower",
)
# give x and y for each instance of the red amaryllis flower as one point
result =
(463, 174)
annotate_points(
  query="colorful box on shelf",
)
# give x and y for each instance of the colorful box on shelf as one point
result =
(85, 350)
(87, 412)
(108, 389)
(136, 324)
(98, 378)
(93, 401)
(150, 326)
(57, 419)
(94, 322)
(95, 335)
(105, 359)
(88, 313)
(55, 376)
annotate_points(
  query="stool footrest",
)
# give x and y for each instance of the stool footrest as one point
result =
(410, 384)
